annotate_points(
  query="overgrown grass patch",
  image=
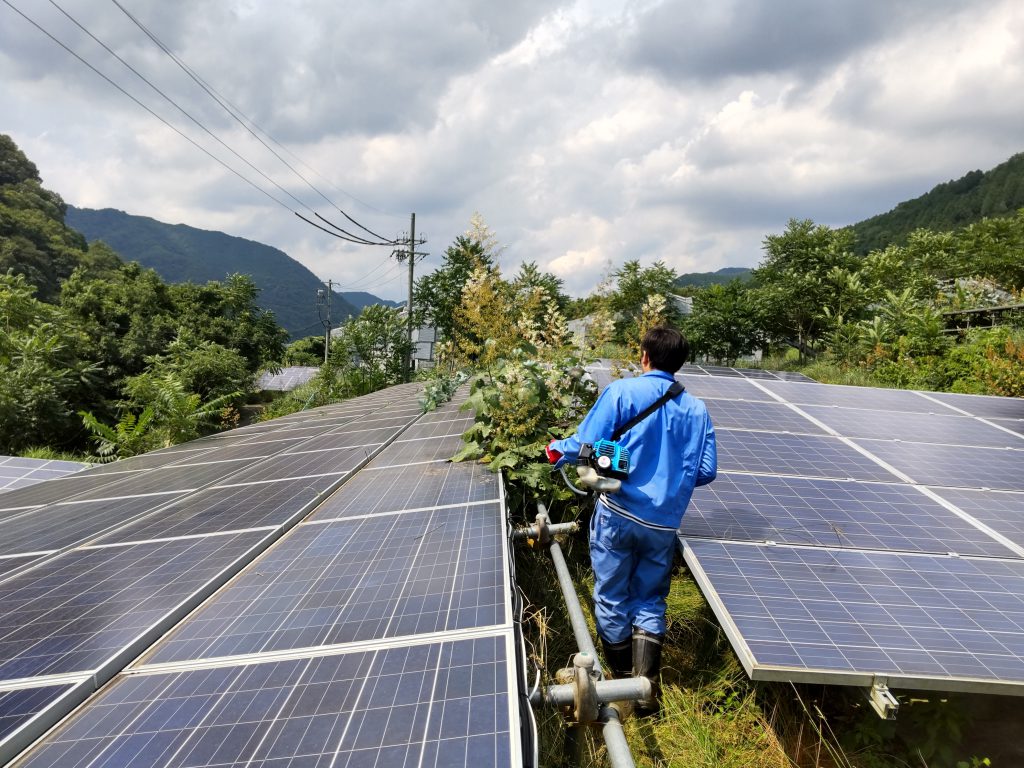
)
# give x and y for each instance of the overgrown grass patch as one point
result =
(712, 715)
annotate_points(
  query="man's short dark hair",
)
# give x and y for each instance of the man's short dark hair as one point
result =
(666, 347)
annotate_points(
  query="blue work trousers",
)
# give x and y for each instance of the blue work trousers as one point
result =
(632, 573)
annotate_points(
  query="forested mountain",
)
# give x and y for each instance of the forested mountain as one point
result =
(180, 253)
(718, 277)
(87, 340)
(954, 204)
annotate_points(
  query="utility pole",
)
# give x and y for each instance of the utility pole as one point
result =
(401, 255)
(327, 338)
(412, 259)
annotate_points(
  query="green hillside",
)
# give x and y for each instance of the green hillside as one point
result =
(719, 277)
(954, 204)
(180, 253)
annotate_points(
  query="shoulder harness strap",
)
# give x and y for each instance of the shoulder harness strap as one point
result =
(674, 389)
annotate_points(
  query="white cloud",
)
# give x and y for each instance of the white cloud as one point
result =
(575, 128)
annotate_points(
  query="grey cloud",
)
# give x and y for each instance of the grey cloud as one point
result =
(690, 40)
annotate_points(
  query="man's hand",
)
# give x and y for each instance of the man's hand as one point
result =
(552, 455)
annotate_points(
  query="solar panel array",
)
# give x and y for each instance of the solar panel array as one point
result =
(287, 379)
(17, 472)
(859, 534)
(378, 629)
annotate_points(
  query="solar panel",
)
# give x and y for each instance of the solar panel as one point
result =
(442, 704)
(985, 406)
(1002, 511)
(60, 489)
(800, 455)
(1014, 425)
(17, 472)
(724, 389)
(85, 607)
(854, 397)
(354, 580)
(918, 427)
(772, 417)
(841, 616)
(721, 370)
(756, 373)
(794, 376)
(9, 564)
(62, 525)
(831, 513)
(85, 612)
(374, 491)
(295, 465)
(347, 437)
(288, 379)
(451, 426)
(20, 706)
(945, 465)
(422, 450)
(224, 509)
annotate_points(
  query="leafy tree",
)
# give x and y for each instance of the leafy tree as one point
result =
(178, 415)
(204, 368)
(530, 278)
(804, 271)
(995, 248)
(726, 322)
(484, 320)
(130, 436)
(127, 317)
(43, 377)
(635, 284)
(227, 313)
(437, 295)
(370, 351)
(307, 351)
(33, 239)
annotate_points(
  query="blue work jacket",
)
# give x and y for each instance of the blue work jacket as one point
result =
(670, 452)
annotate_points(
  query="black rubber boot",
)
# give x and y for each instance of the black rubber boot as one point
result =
(647, 663)
(619, 658)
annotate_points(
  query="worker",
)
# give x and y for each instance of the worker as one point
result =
(633, 531)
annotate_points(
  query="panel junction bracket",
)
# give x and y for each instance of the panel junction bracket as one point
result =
(884, 703)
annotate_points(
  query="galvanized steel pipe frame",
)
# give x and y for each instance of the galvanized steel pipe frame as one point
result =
(619, 754)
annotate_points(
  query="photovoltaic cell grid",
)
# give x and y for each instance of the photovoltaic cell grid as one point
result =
(920, 620)
(470, 573)
(1000, 510)
(288, 379)
(947, 465)
(951, 429)
(88, 605)
(771, 417)
(927, 631)
(798, 455)
(374, 491)
(829, 513)
(17, 472)
(19, 706)
(372, 578)
(103, 605)
(438, 704)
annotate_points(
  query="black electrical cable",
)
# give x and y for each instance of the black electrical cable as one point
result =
(177, 106)
(349, 234)
(329, 232)
(178, 131)
(238, 117)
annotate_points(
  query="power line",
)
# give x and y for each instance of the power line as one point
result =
(177, 106)
(185, 136)
(235, 113)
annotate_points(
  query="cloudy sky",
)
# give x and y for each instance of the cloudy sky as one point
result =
(586, 133)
